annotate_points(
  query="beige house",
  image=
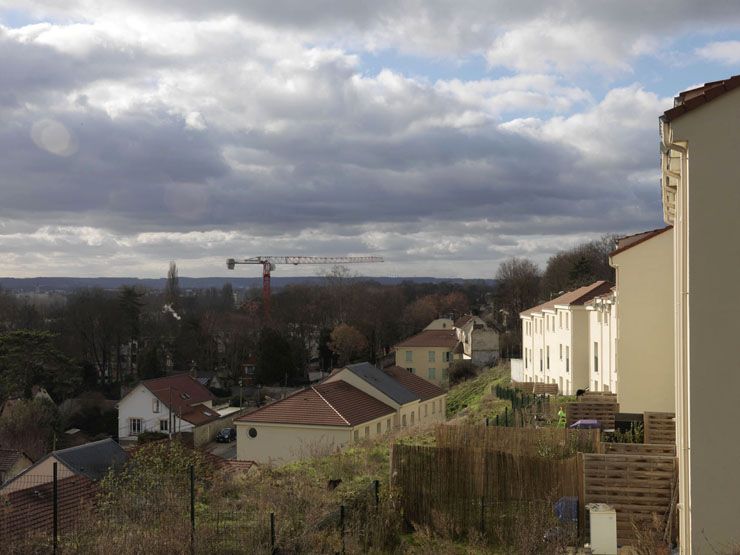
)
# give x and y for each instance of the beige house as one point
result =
(441, 324)
(602, 333)
(701, 197)
(357, 402)
(555, 341)
(429, 353)
(644, 267)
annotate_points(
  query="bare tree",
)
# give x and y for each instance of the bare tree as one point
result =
(172, 288)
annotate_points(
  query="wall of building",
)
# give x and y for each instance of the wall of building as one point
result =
(441, 324)
(421, 364)
(708, 259)
(645, 358)
(602, 342)
(139, 403)
(42, 473)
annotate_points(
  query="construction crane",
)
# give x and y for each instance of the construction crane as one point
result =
(268, 265)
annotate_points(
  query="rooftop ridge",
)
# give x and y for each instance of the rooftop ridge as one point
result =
(339, 414)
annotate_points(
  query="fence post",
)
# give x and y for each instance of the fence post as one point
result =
(341, 525)
(376, 488)
(55, 509)
(497, 420)
(482, 515)
(506, 416)
(192, 508)
(272, 532)
(486, 422)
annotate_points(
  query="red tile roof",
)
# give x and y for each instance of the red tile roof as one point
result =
(632, 240)
(462, 320)
(8, 457)
(421, 387)
(431, 338)
(326, 404)
(576, 297)
(181, 390)
(199, 414)
(694, 98)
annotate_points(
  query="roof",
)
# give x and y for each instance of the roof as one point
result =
(431, 338)
(424, 389)
(382, 382)
(92, 460)
(181, 390)
(576, 297)
(199, 414)
(326, 404)
(8, 458)
(633, 240)
(462, 320)
(694, 98)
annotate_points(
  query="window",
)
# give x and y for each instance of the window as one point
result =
(164, 426)
(356, 435)
(440, 405)
(448, 356)
(367, 431)
(410, 370)
(567, 320)
(155, 405)
(596, 356)
(412, 418)
(426, 410)
(596, 385)
(378, 429)
(560, 316)
(403, 421)
(567, 358)
(134, 426)
(409, 356)
(444, 373)
(434, 407)
(525, 357)
(540, 360)
(388, 425)
(548, 356)
(561, 351)
(431, 356)
(432, 373)
(252, 433)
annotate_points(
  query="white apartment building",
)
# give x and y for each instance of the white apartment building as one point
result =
(555, 340)
(602, 333)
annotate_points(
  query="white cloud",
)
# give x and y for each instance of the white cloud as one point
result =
(724, 52)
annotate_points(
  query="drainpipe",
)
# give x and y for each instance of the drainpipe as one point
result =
(681, 330)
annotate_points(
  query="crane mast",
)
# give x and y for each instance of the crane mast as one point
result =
(268, 264)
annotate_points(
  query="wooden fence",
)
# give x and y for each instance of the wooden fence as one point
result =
(637, 486)
(598, 397)
(453, 486)
(526, 387)
(638, 449)
(551, 443)
(545, 388)
(604, 412)
(660, 427)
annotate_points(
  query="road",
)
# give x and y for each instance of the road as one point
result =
(223, 450)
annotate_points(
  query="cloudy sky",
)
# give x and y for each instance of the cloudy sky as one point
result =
(445, 136)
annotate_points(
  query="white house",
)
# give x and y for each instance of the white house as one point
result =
(602, 344)
(480, 342)
(172, 404)
(555, 340)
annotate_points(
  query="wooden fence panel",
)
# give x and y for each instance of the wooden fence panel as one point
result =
(605, 413)
(545, 388)
(599, 397)
(660, 427)
(526, 387)
(637, 486)
(638, 449)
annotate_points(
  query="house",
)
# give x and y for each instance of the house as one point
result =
(602, 343)
(644, 304)
(354, 403)
(320, 419)
(701, 197)
(410, 395)
(480, 342)
(429, 354)
(555, 341)
(441, 324)
(12, 463)
(91, 461)
(172, 404)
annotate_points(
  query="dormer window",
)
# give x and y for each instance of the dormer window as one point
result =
(185, 396)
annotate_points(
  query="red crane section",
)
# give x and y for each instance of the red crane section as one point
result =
(268, 264)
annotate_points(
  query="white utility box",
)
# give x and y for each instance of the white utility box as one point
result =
(603, 529)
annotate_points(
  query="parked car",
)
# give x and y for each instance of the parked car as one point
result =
(226, 435)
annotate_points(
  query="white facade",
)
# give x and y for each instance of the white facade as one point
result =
(602, 325)
(140, 411)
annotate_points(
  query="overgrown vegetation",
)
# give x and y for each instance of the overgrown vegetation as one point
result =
(474, 398)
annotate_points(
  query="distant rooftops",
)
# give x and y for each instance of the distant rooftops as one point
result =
(572, 298)
(431, 338)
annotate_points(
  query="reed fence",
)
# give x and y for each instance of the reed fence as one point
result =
(660, 427)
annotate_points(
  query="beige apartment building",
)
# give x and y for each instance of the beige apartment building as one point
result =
(555, 340)
(644, 355)
(602, 333)
(701, 198)
(429, 353)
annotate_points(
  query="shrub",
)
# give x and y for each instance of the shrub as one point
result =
(462, 370)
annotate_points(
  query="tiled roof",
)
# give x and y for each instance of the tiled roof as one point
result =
(632, 240)
(92, 460)
(8, 457)
(431, 338)
(382, 382)
(199, 414)
(576, 297)
(180, 389)
(462, 320)
(694, 98)
(326, 404)
(422, 388)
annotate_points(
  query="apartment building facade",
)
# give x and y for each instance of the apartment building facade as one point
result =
(602, 343)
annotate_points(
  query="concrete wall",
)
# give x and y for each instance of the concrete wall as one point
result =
(707, 272)
(645, 358)
(421, 364)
